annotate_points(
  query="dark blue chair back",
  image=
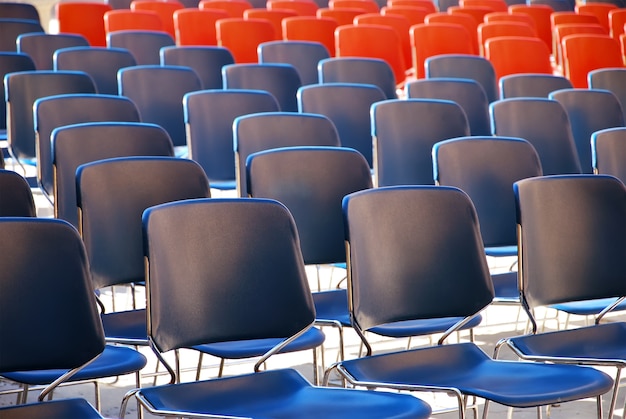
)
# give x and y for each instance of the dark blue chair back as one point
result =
(359, 70)
(206, 61)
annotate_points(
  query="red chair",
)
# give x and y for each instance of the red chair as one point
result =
(399, 23)
(301, 7)
(563, 30)
(164, 8)
(426, 4)
(518, 54)
(599, 10)
(83, 18)
(414, 14)
(476, 12)
(369, 6)
(197, 27)
(510, 17)
(583, 53)
(622, 42)
(495, 5)
(130, 20)
(540, 13)
(617, 21)
(567, 17)
(310, 28)
(274, 16)
(490, 30)
(234, 8)
(467, 21)
(244, 48)
(343, 16)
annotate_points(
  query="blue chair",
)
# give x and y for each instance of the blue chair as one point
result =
(392, 223)
(15, 10)
(589, 110)
(359, 70)
(467, 67)
(542, 122)
(144, 45)
(41, 46)
(51, 112)
(347, 105)
(101, 64)
(206, 61)
(10, 29)
(404, 132)
(608, 152)
(209, 116)
(562, 266)
(16, 198)
(187, 306)
(611, 79)
(303, 55)
(158, 92)
(281, 80)
(11, 62)
(531, 85)
(263, 131)
(467, 93)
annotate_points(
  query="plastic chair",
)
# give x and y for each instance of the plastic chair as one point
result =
(16, 198)
(281, 80)
(244, 48)
(510, 17)
(209, 117)
(589, 110)
(162, 106)
(496, 5)
(540, 13)
(164, 8)
(518, 54)
(531, 85)
(368, 6)
(16, 10)
(447, 220)
(600, 10)
(414, 15)
(101, 64)
(347, 105)
(41, 46)
(617, 21)
(360, 71)
(304, 56)
(10, 29)
(262, 131)
(586, 52)
(372, 41)
(197, 27)
(143, 45)
(309, 28)
(283, 286)
(556, 5)
(430, 39)
(611, 79)
(11, 62)
(476, 12)
(399, 23)
(301, 7)
(490, 30)
(464, 66)
(274, 16)
(206, 61)
(565, 29)
(464, 20)
(233, 8)
(404, 132)
(126, 19)
(545, 124)
(83, 18)
(583, 263)
(56, 111)
(608, 151)
(426, 4)
(343, 16)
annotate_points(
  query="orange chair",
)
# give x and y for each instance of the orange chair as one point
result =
(583, 53)
(414, 14)
(518, 54)
(310, 28)
(495, 5)
(372, 41)
(563, 30)
(490, 30)
(197, 27)
(599, 10)
(164, 8)
(476, 12)
(429, 39)
(234, 8)
(83, 18)
(131, 20)
(567, 17)
(467, 21)
(274, 16)
(244, 48)
(301, 7)
(622, 42)
(343, 16)
(510, 17)
(369, 6)
(426, 4)
(399, 23)
(540, 13)
(617, 22)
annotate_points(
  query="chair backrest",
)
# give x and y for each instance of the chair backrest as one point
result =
(426, 4)
(302, 7)
(518, 54)
(132, 20)
(368, 6)
(22, 89)
(343, 16)
(163, 105)
(11, 62)
(112, 195)
(244, 48)
(143, 44)
(85, 18)
(540, 13)
(10, 29)
(564, 29)
(101, 64)
(404, 132)
(575, 257)
(164, 8)
(311, 182)
(531, 85)
(510, 17)
(476, 12)
(542, 122)
(274, 16)
(186, 301)
(492, 29)
(56, 111)
(209, 117)
(234, 8)
(608, 152)
(16, 10)
(583, 53)
(598, 9)
(384, 229)
(467, 67)
(41, 46)
(74, 145)
(206, 61)
(281, 80)
(485, 168)
(414, 14)
(612, 79)
(347, 105)
(359, 70)
(197, 27)
(589, 110)
(617, 21)
(263, 131)
(304, 56)
(16, 198)
(430, 39)
(311, 28)
(399, 23)
(496, 5)
(467, 21)
(467, 93)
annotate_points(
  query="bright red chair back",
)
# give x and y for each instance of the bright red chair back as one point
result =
(128, 20)
(164, 8)
(197, 27)
(311, 28)
(244, 48)
(585, 52)
(518, 54)
(83, 18)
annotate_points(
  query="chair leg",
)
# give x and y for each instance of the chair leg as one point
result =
(614, 395)
(316, 378)
(96, 385)
(199, 368)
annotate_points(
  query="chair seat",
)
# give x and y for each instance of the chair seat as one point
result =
(280, 394)
(55, 409)
(312, 338)
(128, 327)
(332, 305)
(501, 251)
(505, 287)
(422, 327)
(588, 307)
(114, 360)
(467, 368)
